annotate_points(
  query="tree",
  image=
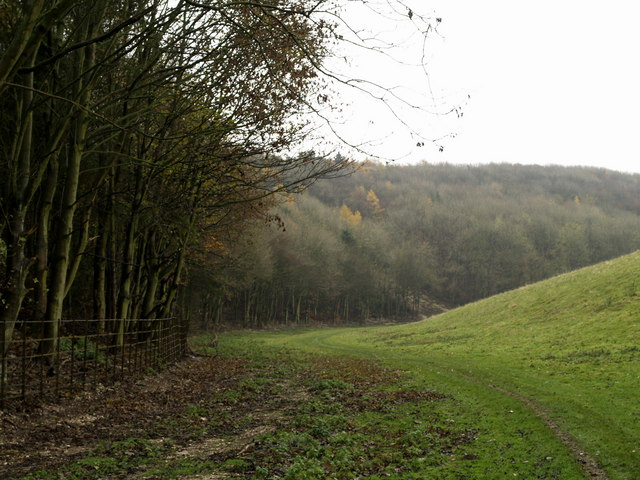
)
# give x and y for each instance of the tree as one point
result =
(123, 99)
(130, 130)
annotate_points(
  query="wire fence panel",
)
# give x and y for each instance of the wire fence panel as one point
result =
(84, 354)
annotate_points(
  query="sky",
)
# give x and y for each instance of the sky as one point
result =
(545, 82)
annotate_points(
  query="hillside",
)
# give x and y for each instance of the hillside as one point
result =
(397, 241)
(568, 349)
(480, 230)
(589, 313)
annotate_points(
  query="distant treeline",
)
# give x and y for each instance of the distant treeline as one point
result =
(398, 240)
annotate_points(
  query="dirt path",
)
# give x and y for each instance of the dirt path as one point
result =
(590, 466)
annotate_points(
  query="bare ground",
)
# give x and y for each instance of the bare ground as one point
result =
(39, 437)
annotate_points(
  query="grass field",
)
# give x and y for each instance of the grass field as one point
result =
(546, 373)
(538, 383)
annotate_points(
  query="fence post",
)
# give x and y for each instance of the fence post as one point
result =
(96, 360)
(23, 381)
(85, 340)
(56, 363)
(73, 356)
(122, 351)
(3, 373)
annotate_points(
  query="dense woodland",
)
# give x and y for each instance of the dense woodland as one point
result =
(134, 133)
(397, 241)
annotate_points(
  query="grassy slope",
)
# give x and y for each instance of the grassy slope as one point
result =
(570, 344)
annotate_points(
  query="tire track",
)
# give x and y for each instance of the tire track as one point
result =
(590, 466)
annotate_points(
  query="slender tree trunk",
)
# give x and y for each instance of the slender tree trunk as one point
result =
(17, 264)
(172, 293)
(61, 261)
(130, 246)
(14, 290)
(140, 282)
(153, 277)
(100, 280)
(298, 308)
(112, 264)
(346, 309)
(42, 243)
(81, 250)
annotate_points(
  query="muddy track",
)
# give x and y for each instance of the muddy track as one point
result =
(590, 466)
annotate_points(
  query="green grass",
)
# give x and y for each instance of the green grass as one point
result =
(362, 423)
(329, 417)
(570, 345)
(456, 397)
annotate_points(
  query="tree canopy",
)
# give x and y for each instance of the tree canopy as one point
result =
(137, 133)
(398, 241)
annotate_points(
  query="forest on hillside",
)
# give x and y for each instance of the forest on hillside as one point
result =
(396, 241)
(135, 133)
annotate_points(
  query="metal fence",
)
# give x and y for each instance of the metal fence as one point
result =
(85, 354)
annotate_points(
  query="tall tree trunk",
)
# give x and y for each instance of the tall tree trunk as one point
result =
(100, 279)
(140, 283)
(172, 292)
(72, 271)
(14, 290)
(42, 243)
(17, 264)
(130, 246)
(61, 261)
(149, 302)
(112, 264)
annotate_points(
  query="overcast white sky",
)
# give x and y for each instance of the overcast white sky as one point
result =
(549, 82)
